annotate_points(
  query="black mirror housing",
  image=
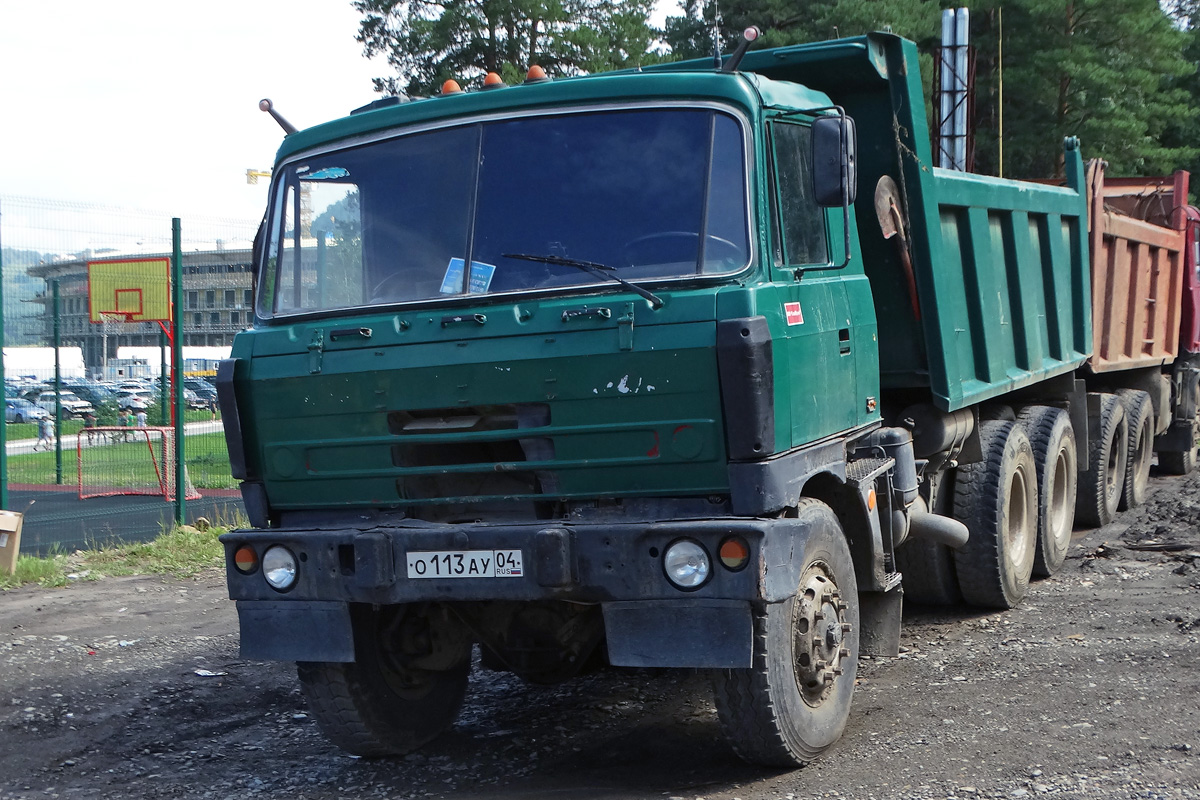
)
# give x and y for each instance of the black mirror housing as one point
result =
(835, 161)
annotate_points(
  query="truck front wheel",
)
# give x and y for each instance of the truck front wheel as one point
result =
(382, 704)
(792, 705)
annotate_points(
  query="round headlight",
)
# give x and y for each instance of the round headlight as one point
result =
(686, 564)
(279, 567)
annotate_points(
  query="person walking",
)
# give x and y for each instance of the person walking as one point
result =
(141, 417)
(45, 434)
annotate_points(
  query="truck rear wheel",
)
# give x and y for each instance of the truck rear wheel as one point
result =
(1057, 461)
(1101, 486)
(378, 705)
(1139, 421)
(1182, 462)
(793, 703)
(997, 499)
(929, 575)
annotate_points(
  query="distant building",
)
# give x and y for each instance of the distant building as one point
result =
(217, 303)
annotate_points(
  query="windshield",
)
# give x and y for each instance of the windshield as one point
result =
(652, 193)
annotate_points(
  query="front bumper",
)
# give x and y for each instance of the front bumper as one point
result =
(586, 563)
(617, 565)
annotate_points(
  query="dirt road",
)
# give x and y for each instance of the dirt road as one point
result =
(132, 688)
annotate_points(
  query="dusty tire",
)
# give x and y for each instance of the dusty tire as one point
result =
(1101, 486)
(928, 573)
(997, 500)
(1057, 461)
(1176, 462)
(1139, 422)
(792, 705)
(372, 708)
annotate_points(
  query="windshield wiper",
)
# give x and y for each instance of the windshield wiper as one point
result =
(599, 270)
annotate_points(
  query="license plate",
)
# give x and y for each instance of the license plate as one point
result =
(465, 564)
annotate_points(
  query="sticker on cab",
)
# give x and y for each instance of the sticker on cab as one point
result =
(793, 313)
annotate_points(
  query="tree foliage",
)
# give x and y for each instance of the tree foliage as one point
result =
(428, 42)
(1119, 74)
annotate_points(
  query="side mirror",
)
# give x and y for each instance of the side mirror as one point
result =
(835, 162)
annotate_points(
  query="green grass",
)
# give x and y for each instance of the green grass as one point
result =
(182, 552)
(205, 455)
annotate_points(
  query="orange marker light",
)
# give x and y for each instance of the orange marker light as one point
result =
(451, 87)
(245, 559)
(536, 75)
(493, 81)
(735, 553)
(871, 500)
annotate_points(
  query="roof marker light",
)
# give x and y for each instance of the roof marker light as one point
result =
(493, 81)
(451, 87)
(536, 75)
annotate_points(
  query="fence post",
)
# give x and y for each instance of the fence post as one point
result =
(177, 368)
(58, 473)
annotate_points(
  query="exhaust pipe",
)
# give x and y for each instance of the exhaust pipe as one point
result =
(934, 527)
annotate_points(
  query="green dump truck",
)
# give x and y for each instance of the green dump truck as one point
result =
(658, 368)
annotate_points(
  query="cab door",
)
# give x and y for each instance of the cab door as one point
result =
(819, 367)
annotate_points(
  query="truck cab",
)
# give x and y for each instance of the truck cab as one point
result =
(578, 371)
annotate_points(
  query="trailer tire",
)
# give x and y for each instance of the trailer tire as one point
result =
(1101, 486)
(997, 500)
(1183, 462)
(928, 573)
(372, 708)
(792, 704)
(1139, 421)
(1057, 461)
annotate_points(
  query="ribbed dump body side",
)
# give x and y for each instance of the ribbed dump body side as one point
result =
(999, 266)
(1138, 245)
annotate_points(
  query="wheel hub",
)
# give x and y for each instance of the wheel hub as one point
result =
(820, 627)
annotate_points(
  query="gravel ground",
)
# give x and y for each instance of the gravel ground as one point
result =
(131, 687)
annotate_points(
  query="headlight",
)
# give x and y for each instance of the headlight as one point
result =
(279, 567)
(686, 564)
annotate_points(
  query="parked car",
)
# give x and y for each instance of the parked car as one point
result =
(137, 399)
(18, 409)
(94, 393)
(72, 404)
(203, 389)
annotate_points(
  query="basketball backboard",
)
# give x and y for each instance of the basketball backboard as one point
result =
(136, 290)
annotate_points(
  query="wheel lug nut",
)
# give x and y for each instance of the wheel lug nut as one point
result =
(843, 653)
(847, 627)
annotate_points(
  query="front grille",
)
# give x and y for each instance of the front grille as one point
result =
(476, 461)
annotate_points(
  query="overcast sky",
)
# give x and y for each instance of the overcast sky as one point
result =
(154, 105)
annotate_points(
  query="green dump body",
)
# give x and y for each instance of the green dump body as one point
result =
(1000, 266)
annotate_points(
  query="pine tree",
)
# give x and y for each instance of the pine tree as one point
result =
(429, 41)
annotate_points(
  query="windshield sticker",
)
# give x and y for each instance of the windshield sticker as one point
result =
(794, 315)
(328, 174)
(481, 277)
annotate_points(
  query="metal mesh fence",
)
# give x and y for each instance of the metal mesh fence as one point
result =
(110, 366)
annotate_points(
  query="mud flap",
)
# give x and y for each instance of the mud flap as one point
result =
(879, 622)
(709, 634)
(301, 630)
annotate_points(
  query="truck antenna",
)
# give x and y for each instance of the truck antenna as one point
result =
(265, 105)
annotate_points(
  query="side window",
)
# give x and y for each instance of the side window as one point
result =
(800, 221)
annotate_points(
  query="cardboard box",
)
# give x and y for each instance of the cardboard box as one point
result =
(10, 540)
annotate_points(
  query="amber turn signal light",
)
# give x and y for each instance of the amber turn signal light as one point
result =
(245, 559)
(734, 553)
